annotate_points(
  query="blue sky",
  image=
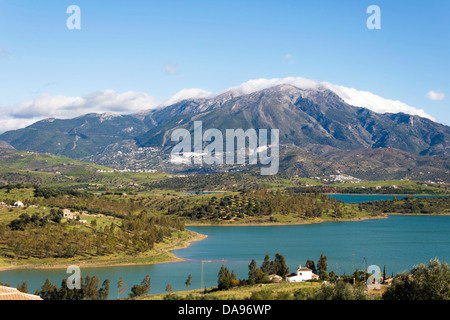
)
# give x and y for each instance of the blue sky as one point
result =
(161, 47)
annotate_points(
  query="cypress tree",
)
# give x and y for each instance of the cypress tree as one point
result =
(322, 267)
(310, 264)
(280, 266)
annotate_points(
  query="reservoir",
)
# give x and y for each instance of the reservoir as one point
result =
(398, 243)
(357, 198)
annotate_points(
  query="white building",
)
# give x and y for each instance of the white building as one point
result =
(67, 214)
(301, 274)
(19, 204)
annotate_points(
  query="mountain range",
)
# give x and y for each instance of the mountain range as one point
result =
(316, 125)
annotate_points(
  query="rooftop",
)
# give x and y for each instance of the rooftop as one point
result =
(7, 293)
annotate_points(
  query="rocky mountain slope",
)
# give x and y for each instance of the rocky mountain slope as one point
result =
(315, 125)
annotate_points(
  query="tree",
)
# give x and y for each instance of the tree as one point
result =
(224, 273)
(103, 292)
(310, 264)
(267, 265)
(225, 284)
(224, 278)
(121, 287)
(48, 290)
(422, 282)
(90, 287)
(23, 287)
(139, 290)
(252, 273)
(280, 266)
(234, 282)
(188, 281)
(333, 276)
(322, 267)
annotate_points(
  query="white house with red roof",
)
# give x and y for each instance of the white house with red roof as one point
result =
(301, 274)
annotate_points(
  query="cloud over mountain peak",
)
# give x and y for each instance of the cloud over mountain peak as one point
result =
(352, 96)
(60, 106)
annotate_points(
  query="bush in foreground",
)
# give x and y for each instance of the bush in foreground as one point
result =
(423, 282)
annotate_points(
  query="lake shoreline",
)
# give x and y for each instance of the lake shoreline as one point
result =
(84, 264)
(274, 224)
(390, 194)
(196, 237)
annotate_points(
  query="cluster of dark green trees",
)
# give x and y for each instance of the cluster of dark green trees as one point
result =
(425, 205)
(48, 237)
(261, 203)
(219, 181)
(53, 192)
(89, 289)
(422, 282)
(227, 279)
(36, 220)
(256, 275)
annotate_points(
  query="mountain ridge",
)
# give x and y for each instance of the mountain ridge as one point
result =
(310, 119)
(310, 116)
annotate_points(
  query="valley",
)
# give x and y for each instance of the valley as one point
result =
(122, 217)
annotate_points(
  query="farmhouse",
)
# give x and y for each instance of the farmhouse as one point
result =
(67, 214)
(19, 204)
(301, 274)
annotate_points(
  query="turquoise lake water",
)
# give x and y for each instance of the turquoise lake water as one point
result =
(398, 242)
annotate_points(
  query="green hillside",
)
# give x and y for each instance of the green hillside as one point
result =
(48, 170)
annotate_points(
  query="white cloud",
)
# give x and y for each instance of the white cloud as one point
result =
(9, 123)
(98, 102)
(376, 103)
(261, 84)
(184, 94)
(435, 95)
(59, 106)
